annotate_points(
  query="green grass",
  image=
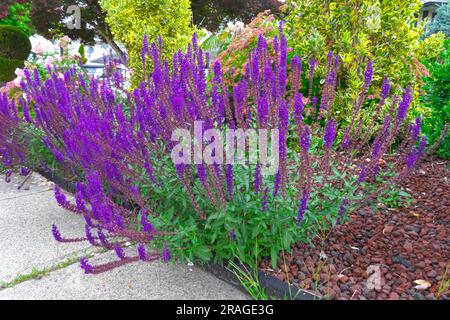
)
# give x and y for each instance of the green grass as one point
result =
(39, 273)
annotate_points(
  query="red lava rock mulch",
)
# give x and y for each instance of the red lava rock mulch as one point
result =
(404, 244)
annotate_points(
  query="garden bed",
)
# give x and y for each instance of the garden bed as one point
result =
(408, 244)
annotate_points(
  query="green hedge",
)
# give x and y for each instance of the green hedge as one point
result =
(14, 44)
(7, 68)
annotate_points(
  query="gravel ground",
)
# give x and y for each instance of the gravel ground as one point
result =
(388, 254)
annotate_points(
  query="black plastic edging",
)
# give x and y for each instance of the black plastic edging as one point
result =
(272, 287)
(62, 182)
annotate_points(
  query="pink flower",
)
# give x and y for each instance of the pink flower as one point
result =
(7, 87)
(19, 72)
(37, 48)
(17, 81)
(64, 42)
(49, 61)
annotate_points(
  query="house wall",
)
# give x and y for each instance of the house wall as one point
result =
(428, 10)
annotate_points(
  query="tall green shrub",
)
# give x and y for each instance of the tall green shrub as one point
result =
(15, 47)
(14, 44)
(437, 100)
(129, 20)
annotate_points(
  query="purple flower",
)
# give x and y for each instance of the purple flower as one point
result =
(24, 171)
(346, 139)
(257, 179)
(263, 111)
(305, 140)
(422, 145)
(314, 101)
(330, 134)
(362, 174)
(368, 74)
(102, 238)
(264, 199)
(385, 88)
(403, 106)
(276, 184)
(416, 153)
(56, 233)
(416, 129)
(201, 170)
(142, 252)
(84, 264)
(303, 206)
(8, 175)
(144, 49)
(342, 209)
(229, 178)
(231, 235)
(89, 236)
(60, 196)
(119, 250)
(412, 159)
(298, 109)
(312, 65)
(376, 149)
(283, 115)
(180, 171)
(146, 225)
(165, 253)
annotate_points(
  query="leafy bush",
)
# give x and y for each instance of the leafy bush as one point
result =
(233, 45)
(14, 44)
(436, 101)
(441, 22)
(119, 145)
(18, 16)
(385, 32)
(131, 20)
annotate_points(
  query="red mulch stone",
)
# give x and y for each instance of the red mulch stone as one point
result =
(404, 244)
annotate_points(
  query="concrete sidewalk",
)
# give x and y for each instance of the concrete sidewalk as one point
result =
(34, 266)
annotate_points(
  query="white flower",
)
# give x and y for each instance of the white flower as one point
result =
(235, 27)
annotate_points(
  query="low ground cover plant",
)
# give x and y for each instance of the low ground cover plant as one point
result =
(121, 147)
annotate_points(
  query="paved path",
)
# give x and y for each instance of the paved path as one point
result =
(35, 266)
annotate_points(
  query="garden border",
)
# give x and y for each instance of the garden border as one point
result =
(271, 286)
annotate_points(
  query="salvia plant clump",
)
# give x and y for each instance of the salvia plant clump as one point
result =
(117, 144)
